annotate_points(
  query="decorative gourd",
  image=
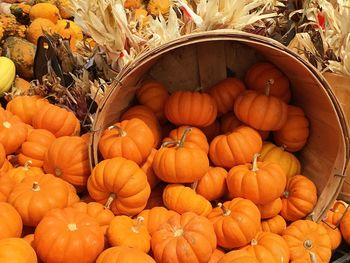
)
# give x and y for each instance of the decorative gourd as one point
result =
(35, 195)
(68, 158)
(171, 164)
(181, 199)
(190, 108)
(333, 233)
(345, 227)
(212, 186)
(156, 197)
(10, 221)
(13, 132)
(131, 139)
(6, 186)
(145, 114)
(336, 212)
(307, 239)
(262, 74)
(16, 250)
(69, 30)
(275, 225)
(132, 4)
(260, 182)
(22, 53)
(121, 185)
(216, 256)
(271, 209)
(212, 130)
(261, 111)
(125, 231)
(295, 132)
(152, 179)
(123, 254)
(224, 152)
(80, 237)
(287, 161)
(225, 93)
(239, 256)
(35, 147)
(269, 247)
(299, 198)
(195, 138)
(229, 122)
(7, 73)
(157, 7)
(44, 10)
(155, 217)
(19, 173)
(184, 238)
(37, 27)
(26, 107)
(153, 95)
(57, 120)
(236, 216)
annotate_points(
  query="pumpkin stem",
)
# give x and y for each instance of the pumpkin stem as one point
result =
(313, 257)
(226, 211)
(7, 124)
(286, 194)
(254, 242)
(194, 185)
(183, 137)
(308, 244)
(255, 162)
(178, 232)
(72, 227)
(121, 132)
(136, 228)
(166, 144)
(269, 83)
(283, 147)
(27, 165)
(36, 187)
(58, 172)
(110, 199)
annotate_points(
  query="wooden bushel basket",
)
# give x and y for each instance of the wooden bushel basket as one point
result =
(203, 59)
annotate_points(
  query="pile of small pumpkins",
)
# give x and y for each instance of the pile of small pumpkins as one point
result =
(191, 176)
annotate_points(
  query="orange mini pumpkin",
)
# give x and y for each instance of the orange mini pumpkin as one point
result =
(19, 173)
(10, 221)
(69, 30)
(6, 186)
(152, 179)
(57, 120)
(123, 254)
(224, 151)
(190, 108)
(333, 233)
(16, 250)
(184, 238)
(44, 10)
(275, 225)
(239, 256)
(336, 212)
(216, 256)
(345, 227)
(261, 111)
(271, 209)
(2, 155)
(131, 139)
(37, 27)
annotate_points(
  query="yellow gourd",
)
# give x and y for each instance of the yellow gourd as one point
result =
(69, 30)
(7, 73)
(44, 10)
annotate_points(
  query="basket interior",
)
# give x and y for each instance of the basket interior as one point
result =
(204, 63)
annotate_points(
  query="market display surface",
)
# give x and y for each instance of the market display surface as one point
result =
(225, 146)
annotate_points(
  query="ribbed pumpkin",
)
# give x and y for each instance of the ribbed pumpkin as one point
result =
(19, 173)
(145, 114)
(295, 132)
(261, 111)
(183, 199)
(69, 30)
(10, 221)
(299, 198)
(6, 186)
(260, 182)
(44, 10)
(271, 209)
(37, 27)
(57, 120)
(212, 186)
(275, 225)
(121, 185)
(345, 227)
(195, 138)
(36, 195)
(80, 237)
(236, 222)
(6, 166)
(2, 155)
(184, 238)
(237, 147)
(333, 233)
(265, 74)
(152, 179)
(155, 217)
(269, 247)
(229, 122)
(7, 73)
(26, 107)
(172, 161)
(68, 158)
(125, 231)
(308, 239)
(131, 139)
(35, 147)
(190, 108)
(336, 212)
(216, 256)
(287, 161)
(153, 94)
(239, 256)
(123, 254)
(13, 132)
(16, 250)
(225, 93)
